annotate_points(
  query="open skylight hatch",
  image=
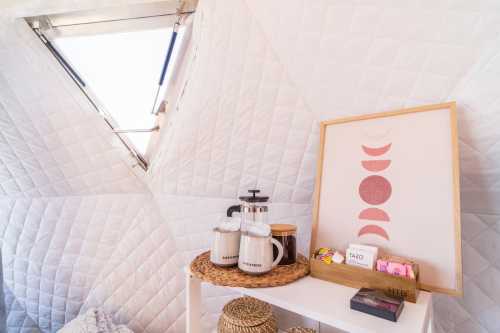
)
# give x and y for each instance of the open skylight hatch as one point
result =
(122, 59)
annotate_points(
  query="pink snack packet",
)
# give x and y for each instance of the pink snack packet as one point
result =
(409, 271)
(382, 265)
(395, 267)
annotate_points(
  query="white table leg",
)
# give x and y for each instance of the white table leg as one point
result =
(431, 321)
(193, 304)
(430, 317)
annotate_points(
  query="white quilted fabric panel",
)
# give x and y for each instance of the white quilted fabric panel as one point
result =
(53, 250)
(241, 122)
(479, 93)
(345, 59)
(141, 284)
(376, 55)
(17, 319)
(52, 142)
(262, 75)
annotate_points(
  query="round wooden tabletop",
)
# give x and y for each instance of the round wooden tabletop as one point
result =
(202, 268)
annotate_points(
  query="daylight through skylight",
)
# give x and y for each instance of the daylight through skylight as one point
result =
(122, 71)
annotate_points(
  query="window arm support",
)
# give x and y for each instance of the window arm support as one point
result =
(166, 63)
(137, 130)
(59, 57)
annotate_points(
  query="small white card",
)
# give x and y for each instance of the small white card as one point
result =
(361, 256)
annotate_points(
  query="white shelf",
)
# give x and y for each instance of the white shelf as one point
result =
(329, 303)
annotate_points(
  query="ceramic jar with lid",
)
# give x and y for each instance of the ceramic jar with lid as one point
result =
(286, 234)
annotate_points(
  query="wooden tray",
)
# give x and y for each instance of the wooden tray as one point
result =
(357, 277)
(202, 268)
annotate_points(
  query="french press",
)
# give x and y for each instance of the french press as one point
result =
(251, 208)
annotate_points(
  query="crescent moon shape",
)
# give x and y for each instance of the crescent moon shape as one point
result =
(373, 230)
(376, 151)
(376, 165)
(374, 214)
(376, 133)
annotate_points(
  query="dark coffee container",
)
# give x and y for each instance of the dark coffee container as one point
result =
(286, 235)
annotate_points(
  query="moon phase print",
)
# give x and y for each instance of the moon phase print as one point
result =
(392, 180)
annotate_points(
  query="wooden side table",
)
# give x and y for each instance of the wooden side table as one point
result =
(322, 301)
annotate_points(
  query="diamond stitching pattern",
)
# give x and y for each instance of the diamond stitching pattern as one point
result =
(51, 146)
(361, 62)
(53, 250)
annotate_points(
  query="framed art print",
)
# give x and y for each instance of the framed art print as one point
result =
(392, 180)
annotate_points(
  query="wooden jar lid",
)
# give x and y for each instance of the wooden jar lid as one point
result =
(283, 229)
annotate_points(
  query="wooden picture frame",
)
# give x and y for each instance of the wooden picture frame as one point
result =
(322, 231)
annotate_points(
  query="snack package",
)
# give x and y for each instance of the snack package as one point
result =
(325, 250)
(326, 258)
(338, 257)
(325, 254)
(396, 266)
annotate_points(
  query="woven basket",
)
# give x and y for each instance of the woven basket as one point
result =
(300, 330)
(247, 315)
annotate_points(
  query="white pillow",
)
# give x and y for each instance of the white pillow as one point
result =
(3, 317)
(93, 321)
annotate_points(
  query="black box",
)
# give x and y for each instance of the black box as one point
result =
(378, 304)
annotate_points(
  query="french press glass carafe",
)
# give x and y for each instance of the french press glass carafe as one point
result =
(252, 209)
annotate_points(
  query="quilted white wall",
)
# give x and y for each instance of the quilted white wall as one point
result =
(72, 201)
(261, 75)
(264, 72)
(53, 143)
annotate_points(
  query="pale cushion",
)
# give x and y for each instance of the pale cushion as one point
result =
(94, 321)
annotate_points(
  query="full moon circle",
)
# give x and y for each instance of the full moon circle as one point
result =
(375, 190)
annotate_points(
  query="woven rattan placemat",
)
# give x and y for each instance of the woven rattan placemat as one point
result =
(202, 268)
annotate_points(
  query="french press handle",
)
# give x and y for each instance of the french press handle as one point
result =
(232, 209)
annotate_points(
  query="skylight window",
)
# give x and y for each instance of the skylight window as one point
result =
(122, 71)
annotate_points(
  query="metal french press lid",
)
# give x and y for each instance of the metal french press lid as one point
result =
(250, 206)
(251, 201)
(254, 198)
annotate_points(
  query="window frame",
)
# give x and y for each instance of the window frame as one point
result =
(121, 19)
